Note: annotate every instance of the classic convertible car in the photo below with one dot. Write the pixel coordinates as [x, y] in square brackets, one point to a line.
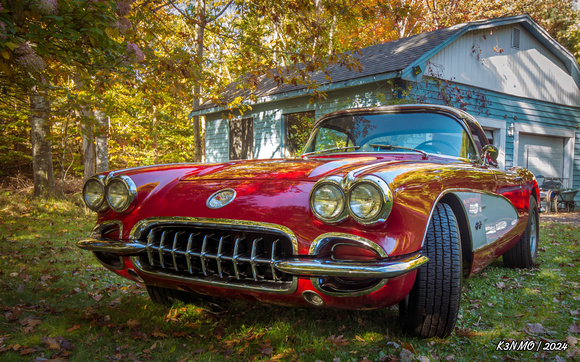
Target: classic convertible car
[387, 205]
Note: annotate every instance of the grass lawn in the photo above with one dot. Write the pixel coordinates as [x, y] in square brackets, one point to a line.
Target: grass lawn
[58, 303]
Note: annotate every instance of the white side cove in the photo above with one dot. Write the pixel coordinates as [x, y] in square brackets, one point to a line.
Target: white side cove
[489, 217]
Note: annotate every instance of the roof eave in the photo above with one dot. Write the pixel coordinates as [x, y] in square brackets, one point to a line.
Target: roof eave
[303, 92]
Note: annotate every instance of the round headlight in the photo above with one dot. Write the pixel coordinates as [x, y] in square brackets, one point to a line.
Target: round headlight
[366, 201]
[120, 193]
[94, 194]
[327, 202]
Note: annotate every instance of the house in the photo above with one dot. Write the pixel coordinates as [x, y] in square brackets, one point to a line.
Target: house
[521, 85]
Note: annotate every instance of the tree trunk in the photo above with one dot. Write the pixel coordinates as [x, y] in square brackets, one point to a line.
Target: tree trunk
[101, 137]
[199, 34]
[41, 147]
[88, 148]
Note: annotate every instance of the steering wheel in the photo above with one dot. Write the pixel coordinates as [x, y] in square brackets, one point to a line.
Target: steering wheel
[429, 146]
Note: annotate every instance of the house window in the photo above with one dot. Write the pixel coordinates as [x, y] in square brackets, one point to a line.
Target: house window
[297, 127]
[241, 139]
[490, 134]
[515, 38]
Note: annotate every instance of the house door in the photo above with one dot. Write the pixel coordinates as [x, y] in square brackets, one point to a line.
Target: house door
[241, 139]
[543, 155]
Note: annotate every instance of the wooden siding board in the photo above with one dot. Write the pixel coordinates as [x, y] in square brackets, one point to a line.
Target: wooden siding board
[485, 58]
[576, 181]
[268, 140]
[501, 106]
[216, 140]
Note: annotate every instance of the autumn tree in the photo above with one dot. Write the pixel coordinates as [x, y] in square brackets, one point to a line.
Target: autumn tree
[42, 43]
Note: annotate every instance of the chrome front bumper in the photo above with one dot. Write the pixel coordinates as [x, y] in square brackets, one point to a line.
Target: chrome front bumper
[303, 266]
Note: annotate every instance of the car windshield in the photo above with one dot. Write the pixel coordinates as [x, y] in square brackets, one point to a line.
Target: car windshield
[392, 132]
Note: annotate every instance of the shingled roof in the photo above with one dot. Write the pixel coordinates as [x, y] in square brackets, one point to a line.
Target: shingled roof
[388, 57]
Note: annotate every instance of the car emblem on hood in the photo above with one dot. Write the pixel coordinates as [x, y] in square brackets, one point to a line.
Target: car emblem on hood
[221, 198]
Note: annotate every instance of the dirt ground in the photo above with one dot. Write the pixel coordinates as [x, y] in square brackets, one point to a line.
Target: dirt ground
[563, 217]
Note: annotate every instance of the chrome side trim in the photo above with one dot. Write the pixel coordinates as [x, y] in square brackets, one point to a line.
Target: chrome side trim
[111, 246]
[351, 293]
[282, 288]
[323, 239]
[99, 228]
[141, 226]
[323, 267]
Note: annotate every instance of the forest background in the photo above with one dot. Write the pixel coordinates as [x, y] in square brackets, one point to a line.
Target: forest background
[91, 85]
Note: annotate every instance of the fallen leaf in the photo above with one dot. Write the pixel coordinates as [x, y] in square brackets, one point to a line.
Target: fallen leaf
[406, 355]
[66, 344]
[500, 285]
[133, 323]
[572, 341]
[29, 323]
[27, 351]
[574, 328]
[338, 340]
[409, 347]
[74, 327]
[534, 328]
[115, 302]
[267, 351]
[96, 297]
[51, 343]
[13, 315]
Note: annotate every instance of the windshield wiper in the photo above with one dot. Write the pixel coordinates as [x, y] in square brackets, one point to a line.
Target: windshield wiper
[346, 148]
[391, 147]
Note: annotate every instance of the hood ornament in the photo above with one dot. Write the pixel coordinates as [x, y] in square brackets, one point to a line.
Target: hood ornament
[221, 198]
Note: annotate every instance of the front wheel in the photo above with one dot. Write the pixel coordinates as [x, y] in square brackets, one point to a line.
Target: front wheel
[431, 307]
[523, 255]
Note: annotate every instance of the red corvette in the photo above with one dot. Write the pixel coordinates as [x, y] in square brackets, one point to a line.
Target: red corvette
[387, 205]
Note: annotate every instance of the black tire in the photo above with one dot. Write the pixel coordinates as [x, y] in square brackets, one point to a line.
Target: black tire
[523, 255]
[168, 297]
[431, 307]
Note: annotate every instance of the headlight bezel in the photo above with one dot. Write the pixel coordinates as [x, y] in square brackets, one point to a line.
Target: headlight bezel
[130, 188]
[334, 182]
[384, 193]
[346, 187]
[102, 205]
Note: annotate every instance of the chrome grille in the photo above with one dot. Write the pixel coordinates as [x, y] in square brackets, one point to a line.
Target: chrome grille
[228, 255]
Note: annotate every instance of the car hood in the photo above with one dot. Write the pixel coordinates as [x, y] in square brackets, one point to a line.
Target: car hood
[284, 169]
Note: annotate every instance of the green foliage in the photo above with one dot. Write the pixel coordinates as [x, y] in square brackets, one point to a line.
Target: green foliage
[84, 54]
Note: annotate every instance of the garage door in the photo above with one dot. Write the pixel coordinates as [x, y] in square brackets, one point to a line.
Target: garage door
[543, 155]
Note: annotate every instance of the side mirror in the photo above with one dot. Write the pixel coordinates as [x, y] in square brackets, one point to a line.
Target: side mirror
[489, 154]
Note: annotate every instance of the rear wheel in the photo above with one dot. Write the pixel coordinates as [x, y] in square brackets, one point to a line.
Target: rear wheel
[523, 254]
[431, 307]
[168, 297]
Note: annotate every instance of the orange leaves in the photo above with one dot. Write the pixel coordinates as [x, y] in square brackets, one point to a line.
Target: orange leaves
[28, 324]
[338, 340]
